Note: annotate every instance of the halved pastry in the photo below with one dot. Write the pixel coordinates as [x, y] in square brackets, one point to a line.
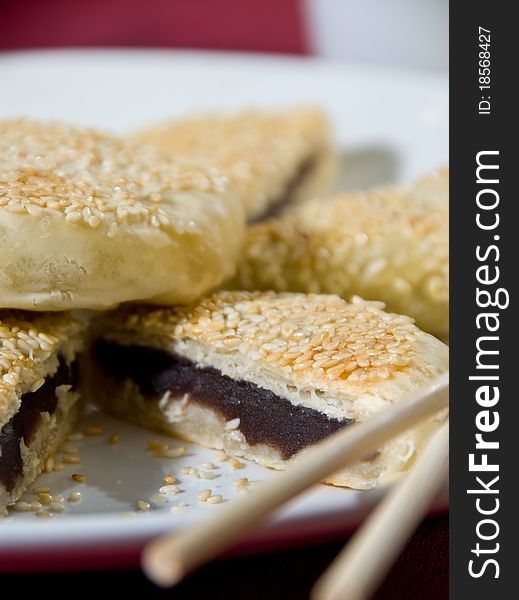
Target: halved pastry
[263, 375]
[274, 158]
[38, 393]
[389, 244]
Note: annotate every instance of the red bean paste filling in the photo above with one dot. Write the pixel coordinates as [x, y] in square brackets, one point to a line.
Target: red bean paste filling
[26, 421]
[265, 418]
[289, 194]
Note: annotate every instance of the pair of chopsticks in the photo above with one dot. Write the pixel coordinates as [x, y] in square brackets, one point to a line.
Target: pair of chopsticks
[354, 574]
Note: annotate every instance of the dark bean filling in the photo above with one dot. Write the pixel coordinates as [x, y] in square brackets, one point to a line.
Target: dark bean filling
[265, 418]
[25, 422]
[289, 193]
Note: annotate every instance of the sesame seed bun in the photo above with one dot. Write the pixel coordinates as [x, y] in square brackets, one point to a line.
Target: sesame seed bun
[89, 221]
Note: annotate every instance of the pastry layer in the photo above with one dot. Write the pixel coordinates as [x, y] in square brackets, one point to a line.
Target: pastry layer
[309, 355]
[389, 244]
[35, 408]
[292, 192]
[263, 417]
[108, 221]
[38, 395]
[261, 151]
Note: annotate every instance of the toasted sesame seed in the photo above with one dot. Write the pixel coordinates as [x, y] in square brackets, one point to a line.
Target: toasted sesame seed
[94, 430]
[158, 500]
[49, 465]
[241, 481]
[74, 496]
[208, 465]
[21, 506]
[113, 439]
[204, 495]
[71, 459]
[80, 478]
[67, 449]
[35, 505]
[143, 505]
[44, 497]
[186, 470]
[236, 464]
[169, 479]
[217, 499]
[158, 447]
[221, 456]
[207, 474]
[58, 466]
[41, 489]
[169, 490]
[59, 499]
[56, 507]
[175, 452]
[43, 514]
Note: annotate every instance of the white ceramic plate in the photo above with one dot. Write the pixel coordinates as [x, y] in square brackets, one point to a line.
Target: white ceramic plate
[391, 126]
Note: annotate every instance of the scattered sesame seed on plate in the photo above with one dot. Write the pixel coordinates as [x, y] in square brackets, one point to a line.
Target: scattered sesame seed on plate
[216, 499]
[94, 430]
[74, 496]
[71, 459]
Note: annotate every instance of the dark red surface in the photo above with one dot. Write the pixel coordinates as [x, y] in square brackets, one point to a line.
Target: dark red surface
[420, 573]
[257, 25]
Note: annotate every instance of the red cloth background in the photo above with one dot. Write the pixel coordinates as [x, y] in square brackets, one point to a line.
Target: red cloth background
[256, 25]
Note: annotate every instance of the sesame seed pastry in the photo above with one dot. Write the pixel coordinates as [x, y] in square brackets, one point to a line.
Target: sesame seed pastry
[87, 221]
[38, 393]
[389, 244]
[263, 375]
[274, 158]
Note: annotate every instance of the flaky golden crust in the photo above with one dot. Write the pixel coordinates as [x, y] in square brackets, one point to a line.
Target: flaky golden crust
[29, 347]
[345, 360]
[389, 244]
[88, 220]
[261, 151]
[49, 435]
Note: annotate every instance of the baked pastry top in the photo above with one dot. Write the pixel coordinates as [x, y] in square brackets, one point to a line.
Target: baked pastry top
[296, 344]
[273, 157]
[264, 375]
[389, 244]
[88, 220]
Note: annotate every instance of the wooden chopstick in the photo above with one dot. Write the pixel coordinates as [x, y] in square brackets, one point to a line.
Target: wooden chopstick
[168, 559]
[360, 567]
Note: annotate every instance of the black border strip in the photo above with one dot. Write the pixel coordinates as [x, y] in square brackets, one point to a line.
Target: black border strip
[472, 133]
